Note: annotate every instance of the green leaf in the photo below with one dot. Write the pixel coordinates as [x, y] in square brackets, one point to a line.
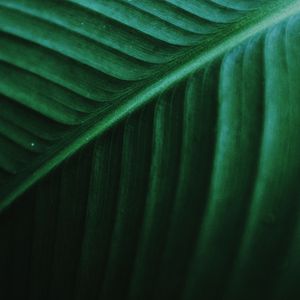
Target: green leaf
[68, 70]
[173, 127]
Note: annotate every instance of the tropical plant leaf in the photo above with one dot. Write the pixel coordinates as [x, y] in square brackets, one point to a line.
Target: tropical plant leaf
[194, 194]
[94, 65]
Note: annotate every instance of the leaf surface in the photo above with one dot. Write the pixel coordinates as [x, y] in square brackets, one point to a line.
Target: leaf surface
[78, 73]
[174, 130]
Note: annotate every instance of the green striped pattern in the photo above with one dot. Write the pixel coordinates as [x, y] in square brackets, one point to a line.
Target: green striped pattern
[185, 120]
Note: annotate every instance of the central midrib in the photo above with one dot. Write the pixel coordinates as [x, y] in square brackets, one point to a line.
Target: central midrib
[264, 19]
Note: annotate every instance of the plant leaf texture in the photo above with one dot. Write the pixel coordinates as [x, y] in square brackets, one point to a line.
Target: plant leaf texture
[150, 149]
